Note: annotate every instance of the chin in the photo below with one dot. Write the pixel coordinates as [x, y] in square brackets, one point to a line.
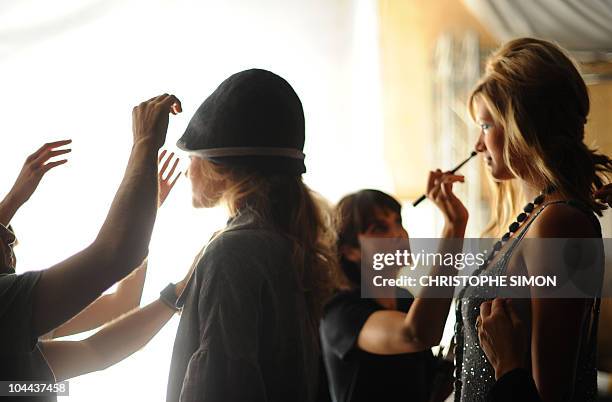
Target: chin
[500, 174]
[203, 202]
[504, 176]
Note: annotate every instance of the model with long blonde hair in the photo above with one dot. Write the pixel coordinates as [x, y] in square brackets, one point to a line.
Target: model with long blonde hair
[531, 106]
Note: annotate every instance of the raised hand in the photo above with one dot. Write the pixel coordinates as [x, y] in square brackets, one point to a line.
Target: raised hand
[440, 191]
[166, 184]
[150, 119]
[604, 194]
[35, 167]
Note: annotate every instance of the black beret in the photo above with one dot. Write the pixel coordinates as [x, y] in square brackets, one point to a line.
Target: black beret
[254, 119]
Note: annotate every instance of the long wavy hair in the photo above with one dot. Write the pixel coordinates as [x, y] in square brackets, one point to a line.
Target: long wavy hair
[286, 204]
[534, 90]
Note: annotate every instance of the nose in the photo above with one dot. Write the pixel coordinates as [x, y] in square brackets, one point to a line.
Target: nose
[480, 145]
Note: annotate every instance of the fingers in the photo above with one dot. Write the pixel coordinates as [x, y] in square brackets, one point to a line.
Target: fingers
[48, 146]
[433, 175]
[165, 101]
[48, 154]
[169, 102]
[604, 191]
[162, 170]
[497, 307]
[485, 309]
[153, 99]
[163, 177]
[165, 165]
[447, 181]
[446, 189]
[451, 178]
[166, 181]
[37, 162]
[150, 119]
[433, 184]
[440, 185]
[161, 156]
[175, 179]
[51, 165]
[176, 161]
[516, 321]
[604, 194]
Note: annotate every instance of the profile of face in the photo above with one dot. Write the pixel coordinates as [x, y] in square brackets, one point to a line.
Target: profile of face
[7, 256]
[206, 188]
[491, 141]
[384, 224]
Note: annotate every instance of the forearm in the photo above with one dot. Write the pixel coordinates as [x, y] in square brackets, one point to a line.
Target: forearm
[107, 307]
[8, 209]
[129, 290]
[424, 323]
[66, 288]
[128, 334]
[126, 232]
[108, 346]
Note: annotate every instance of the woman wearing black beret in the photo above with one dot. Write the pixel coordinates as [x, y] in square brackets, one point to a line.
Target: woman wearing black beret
[251, 310]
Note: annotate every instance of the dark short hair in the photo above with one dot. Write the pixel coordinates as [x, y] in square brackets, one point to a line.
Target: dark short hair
[353, 215]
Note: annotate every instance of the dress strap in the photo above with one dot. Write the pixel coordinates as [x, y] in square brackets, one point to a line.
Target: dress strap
[526, 228]
[576, 204]
[523, 232]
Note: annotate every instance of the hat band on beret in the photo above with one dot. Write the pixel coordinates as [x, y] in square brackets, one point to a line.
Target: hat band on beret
[248, 151]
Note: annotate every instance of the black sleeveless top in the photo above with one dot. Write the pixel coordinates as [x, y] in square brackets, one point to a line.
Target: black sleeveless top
[474, 374]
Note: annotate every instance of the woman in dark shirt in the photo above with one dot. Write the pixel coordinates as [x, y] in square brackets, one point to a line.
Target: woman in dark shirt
[374, 349]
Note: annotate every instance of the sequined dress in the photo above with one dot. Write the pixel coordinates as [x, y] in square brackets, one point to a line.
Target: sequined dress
[474, 375]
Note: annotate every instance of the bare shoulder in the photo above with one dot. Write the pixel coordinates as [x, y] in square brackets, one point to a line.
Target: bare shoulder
[563, 220]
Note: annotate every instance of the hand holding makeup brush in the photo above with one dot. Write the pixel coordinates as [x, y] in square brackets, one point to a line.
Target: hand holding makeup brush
[440, 192]
[421, 198]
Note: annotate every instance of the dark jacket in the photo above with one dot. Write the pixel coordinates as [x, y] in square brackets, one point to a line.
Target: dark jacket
[244, 333]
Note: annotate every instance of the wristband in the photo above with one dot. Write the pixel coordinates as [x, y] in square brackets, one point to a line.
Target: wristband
[168, 296]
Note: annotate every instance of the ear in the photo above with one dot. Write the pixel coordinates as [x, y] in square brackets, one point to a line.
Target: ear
[351, 253]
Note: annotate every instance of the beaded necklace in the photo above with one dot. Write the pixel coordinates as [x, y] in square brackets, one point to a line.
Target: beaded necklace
[459, 341]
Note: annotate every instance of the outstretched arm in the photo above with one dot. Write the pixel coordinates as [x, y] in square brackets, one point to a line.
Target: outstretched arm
[112, 343]
[121, 245]
[129, 291]
[32, 172]
[394, 332]
[107, 307]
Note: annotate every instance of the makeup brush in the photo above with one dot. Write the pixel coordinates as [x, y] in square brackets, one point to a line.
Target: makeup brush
[421, 198]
